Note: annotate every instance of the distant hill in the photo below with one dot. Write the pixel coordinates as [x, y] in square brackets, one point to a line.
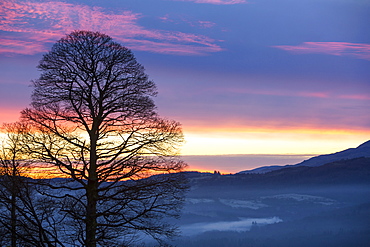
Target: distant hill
[361, 151]
[319, 206]
[347, 171]
[344, 171]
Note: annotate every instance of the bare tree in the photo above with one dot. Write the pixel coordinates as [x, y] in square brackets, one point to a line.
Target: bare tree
[93, 119]
[24, 215]
[10, 171]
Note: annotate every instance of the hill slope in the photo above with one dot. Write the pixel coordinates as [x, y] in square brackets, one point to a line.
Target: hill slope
[361, 151]
[306, 206]
[351, 171]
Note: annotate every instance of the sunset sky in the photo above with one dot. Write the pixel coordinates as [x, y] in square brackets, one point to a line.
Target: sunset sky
[243, 77]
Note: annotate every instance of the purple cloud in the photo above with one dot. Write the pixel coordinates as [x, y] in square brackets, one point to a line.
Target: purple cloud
[361, 51]
[55, 19]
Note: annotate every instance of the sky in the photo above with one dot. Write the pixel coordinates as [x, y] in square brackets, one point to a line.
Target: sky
[241, 76]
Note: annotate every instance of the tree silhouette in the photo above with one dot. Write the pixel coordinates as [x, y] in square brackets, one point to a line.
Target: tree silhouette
[10, 171]
[92, 117]
[26, 218]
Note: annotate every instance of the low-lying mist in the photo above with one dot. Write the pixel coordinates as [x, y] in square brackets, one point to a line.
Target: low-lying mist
[238, 226]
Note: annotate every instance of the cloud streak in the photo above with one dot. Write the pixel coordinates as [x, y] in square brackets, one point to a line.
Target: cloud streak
[291, 93]
[217, 2]
[42, 23]
[179, 20]
[358, 50]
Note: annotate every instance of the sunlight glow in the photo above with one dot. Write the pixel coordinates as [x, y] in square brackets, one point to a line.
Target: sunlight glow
[272, 142]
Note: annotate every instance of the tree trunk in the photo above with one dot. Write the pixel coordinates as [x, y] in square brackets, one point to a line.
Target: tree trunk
[13, 220]
[91, 222]
[92, 196]
[13, 215]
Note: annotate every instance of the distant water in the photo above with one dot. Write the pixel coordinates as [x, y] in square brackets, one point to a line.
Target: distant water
[237, 163]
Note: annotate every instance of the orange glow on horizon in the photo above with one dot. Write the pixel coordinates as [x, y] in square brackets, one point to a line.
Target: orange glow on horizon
[258, 138]
[216, 141]
[273, 128]
[47, 173]
[192, 168]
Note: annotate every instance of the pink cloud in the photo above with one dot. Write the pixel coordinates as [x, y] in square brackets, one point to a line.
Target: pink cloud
[361, 51]
[166, 18]
[31, 26]
[218, 2]
[314, 94]
[285, 93]
[355, 97]
[9, 45]
[169, 48]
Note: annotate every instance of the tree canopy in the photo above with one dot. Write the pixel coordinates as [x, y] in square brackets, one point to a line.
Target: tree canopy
[93, 117]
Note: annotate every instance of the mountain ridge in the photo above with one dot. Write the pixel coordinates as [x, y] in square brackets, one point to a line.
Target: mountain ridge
[344, 172]
[362, 150]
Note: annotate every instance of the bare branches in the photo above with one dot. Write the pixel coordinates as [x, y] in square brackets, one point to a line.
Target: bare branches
[27, 218]
[93, 117]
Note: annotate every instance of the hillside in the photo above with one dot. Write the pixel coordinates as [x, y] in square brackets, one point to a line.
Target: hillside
[349, 171]
[361, 151]
[319, 206]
